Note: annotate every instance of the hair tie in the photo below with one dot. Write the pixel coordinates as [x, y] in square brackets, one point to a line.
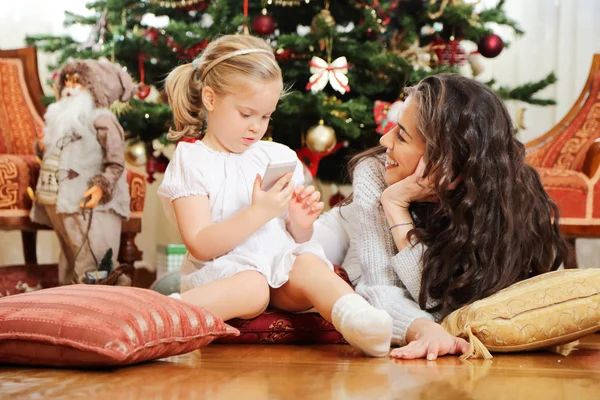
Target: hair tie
[196, 64]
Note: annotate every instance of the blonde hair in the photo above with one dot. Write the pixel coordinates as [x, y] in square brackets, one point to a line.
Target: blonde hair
[184, 84]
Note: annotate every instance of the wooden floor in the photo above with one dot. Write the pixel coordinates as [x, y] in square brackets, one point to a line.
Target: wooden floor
[220, 372]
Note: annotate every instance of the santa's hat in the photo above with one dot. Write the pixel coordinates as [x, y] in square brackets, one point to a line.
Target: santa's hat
[106, 81]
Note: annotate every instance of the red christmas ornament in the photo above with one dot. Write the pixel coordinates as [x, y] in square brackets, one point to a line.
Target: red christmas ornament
[449, 53]
[490, 46]
[336, 199]
[143, 91]
[263, 24]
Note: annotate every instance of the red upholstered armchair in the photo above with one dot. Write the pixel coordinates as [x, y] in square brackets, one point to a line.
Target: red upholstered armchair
[21, 112]
[567, 158]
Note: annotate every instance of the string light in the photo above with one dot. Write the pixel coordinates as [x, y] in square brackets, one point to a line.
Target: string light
[176, 3]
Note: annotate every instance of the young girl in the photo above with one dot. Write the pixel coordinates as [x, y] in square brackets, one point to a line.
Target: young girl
[243, 254]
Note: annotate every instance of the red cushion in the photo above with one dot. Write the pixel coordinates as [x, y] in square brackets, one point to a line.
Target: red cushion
[280, 327]
[82, 325]
[569, 190]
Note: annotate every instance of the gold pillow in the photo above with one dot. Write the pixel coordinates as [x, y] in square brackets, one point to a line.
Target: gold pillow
[544, 311]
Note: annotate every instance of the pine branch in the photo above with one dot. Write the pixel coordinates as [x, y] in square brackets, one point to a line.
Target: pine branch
[526, 91]
[498, 16]
[73, 19]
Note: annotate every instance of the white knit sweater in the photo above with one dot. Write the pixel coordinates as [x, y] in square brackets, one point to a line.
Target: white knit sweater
[388, 279]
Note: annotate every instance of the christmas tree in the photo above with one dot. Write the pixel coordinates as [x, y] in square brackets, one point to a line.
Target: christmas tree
[346, 62]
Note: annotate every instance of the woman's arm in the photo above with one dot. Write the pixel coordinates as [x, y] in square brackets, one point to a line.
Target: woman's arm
[375, 248]
[424, 337]
[330, 231]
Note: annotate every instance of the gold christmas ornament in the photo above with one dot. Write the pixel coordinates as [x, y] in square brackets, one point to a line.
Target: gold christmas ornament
[135, 153]
[320, 138]
[323, 18]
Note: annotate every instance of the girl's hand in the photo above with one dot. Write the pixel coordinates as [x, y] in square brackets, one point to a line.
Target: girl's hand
[305, 207]
[409, 189]
[430, 340]
[272, 202]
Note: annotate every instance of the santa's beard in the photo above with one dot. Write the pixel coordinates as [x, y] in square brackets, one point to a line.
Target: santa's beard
[67, 115]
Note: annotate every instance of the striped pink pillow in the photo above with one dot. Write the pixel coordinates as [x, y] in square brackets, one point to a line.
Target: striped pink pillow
[84, 325]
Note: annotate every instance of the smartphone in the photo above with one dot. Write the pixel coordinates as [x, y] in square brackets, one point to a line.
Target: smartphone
[276, 171]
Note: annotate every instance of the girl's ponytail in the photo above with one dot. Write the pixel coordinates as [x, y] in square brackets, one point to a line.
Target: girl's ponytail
[184, 91]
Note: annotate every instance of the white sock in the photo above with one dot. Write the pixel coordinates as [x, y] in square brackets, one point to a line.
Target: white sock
[175, 296]
[363, 326]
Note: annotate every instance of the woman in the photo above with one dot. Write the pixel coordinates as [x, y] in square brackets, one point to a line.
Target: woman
[444, 213]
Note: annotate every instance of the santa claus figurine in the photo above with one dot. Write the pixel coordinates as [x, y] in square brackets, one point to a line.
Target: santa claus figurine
[82, 191]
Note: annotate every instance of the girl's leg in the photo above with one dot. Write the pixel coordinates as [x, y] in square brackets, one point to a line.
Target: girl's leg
[244, 295]
[312, 283]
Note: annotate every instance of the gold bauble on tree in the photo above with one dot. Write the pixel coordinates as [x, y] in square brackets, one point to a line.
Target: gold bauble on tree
[320, 138]
[135, 153]
[321, 24]
[321, 20]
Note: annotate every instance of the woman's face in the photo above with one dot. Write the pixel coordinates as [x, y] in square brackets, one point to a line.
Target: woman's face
[404, 144]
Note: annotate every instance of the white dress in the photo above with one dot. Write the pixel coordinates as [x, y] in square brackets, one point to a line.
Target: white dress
[227, 179]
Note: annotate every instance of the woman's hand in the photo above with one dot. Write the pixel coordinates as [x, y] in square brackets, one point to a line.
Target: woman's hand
[409, 189]
[429, 339]
[272, 203]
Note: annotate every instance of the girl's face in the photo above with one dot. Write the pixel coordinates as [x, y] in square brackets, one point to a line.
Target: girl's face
[404, 144]
[237, 121]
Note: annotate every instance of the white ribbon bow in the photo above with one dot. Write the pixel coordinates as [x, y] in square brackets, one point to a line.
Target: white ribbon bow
[334, 73]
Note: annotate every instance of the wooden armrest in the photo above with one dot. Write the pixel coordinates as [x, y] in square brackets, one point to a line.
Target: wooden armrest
[592, 159]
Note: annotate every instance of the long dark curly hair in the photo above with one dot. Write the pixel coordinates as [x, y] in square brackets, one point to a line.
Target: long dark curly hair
[498, 225]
